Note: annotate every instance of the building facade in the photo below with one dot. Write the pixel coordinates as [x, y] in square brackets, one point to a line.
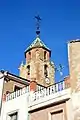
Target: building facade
[34, 94]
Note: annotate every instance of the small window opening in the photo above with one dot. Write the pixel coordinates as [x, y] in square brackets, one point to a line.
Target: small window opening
[16, 88]
[45, 55]
[7, 92]
[28, 68]
[29, 55]
[45, 70]
[14, 116]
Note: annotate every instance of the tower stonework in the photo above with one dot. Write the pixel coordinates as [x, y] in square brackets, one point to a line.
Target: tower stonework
[74, 64]
[38, 66]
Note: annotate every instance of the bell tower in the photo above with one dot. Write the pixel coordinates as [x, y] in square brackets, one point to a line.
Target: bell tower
[38, 65]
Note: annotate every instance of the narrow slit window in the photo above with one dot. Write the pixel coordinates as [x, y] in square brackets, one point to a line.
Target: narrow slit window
[45, 70]
[45, 55]
[29, 55]
[28, 68]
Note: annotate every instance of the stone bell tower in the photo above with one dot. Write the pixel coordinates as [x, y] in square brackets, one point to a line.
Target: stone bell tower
[38, 66]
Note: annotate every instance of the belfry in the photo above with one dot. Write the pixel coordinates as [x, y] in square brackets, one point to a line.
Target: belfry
[38, 66]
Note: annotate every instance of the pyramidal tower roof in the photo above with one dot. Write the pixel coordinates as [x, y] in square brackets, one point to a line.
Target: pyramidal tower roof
[37, 43]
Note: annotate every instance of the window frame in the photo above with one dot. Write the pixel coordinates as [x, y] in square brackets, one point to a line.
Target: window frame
[11, 113]
[55, 111]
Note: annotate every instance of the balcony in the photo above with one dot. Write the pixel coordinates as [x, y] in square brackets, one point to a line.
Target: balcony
[18, 93]
[56, 92]
[42, 94]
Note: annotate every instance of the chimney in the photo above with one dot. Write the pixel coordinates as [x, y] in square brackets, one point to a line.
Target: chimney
[33, 85]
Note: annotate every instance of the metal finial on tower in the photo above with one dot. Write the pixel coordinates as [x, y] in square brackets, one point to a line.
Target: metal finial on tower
[60, 70]
[38, 19]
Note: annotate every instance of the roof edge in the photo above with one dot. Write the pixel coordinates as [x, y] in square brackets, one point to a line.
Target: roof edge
[15, 78]
[74, 41]
[37, 47]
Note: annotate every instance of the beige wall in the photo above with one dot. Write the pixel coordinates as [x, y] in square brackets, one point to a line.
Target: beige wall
[9, 86]
[45, 113]
[74, 64]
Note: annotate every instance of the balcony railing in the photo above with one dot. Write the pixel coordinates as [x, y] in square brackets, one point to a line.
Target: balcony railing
[40, 93]
[16, 94]
[48, 91]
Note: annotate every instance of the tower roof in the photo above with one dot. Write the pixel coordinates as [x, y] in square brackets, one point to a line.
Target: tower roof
[37, 43]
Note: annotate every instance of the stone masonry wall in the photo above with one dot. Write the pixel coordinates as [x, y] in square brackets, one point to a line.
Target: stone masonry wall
[37, 62]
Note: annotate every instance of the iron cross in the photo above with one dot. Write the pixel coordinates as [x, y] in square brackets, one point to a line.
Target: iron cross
[38, 21]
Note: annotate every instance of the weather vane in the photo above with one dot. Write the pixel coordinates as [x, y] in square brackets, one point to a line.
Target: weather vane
[60, 69]
[38, 19]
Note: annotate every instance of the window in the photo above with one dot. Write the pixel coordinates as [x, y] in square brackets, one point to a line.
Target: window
[57, 115]
[28, 68]
[16, 88]
[29, 55]
[45, 55]
[14, 116]
[45, 70]
[7, 92]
